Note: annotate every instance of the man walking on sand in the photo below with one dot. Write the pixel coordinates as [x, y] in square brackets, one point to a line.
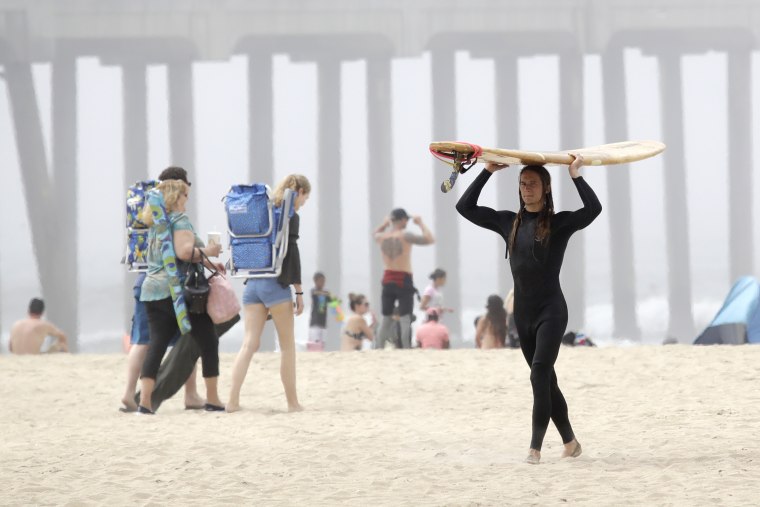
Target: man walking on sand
[396, 247]
[29, 335]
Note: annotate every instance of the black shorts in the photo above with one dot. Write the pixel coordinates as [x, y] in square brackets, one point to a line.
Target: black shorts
[404, 294]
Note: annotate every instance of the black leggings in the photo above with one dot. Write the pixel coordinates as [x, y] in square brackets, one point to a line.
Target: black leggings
[540, 339]
[163, 327]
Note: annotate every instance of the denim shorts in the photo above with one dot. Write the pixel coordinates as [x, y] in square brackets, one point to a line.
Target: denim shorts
[265, 291]
[140, 334]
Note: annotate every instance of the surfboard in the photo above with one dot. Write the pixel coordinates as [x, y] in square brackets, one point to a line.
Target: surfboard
[462, 156]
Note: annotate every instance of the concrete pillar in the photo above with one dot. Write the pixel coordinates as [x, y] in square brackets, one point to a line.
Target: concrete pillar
[329, 228]
[64, 294]
[571, 136]
[380, 177]
[2, 78]
[507, 136]
[445, 224]
[741, 246]
[681, 325]
[625, 324]
[261, 146]
[38, 191]
[260, 118]
[135, 123]
[182, 125]
[135, 150]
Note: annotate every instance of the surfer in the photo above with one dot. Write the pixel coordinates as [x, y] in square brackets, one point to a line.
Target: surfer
[536, 239]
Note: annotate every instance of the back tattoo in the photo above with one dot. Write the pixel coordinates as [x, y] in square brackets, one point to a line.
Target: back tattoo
[392, 247]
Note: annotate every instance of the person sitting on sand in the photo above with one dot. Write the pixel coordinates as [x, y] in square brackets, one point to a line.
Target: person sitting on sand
[432, 334]
[29, 335]
[356, 329]
[491, 331]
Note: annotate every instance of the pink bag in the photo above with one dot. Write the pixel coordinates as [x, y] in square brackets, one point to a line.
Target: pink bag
[223, 303]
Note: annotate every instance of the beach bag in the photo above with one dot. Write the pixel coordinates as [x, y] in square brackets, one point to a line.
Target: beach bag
[257, 229]
[196, 289]
[223, 304]
[137, 231]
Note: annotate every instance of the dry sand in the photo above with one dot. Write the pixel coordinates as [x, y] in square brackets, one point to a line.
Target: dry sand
[674, 425]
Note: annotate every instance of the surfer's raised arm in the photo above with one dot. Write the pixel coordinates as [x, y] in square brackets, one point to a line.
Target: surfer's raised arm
[483, 216]
[591, 209]
[575, 168]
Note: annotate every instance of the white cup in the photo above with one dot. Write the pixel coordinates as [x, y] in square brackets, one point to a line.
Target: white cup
[215, 238]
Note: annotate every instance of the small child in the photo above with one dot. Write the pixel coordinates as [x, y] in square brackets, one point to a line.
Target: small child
[320, 300]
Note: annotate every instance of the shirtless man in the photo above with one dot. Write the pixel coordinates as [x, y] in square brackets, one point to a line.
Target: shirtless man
[396, 246]
[28, 335]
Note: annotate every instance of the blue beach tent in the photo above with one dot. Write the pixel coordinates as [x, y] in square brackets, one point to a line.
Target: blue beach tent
[738, 320]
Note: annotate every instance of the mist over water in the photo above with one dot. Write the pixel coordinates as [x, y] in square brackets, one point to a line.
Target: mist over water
[221, 134]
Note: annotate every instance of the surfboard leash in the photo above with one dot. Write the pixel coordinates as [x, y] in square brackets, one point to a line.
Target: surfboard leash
[457, 161]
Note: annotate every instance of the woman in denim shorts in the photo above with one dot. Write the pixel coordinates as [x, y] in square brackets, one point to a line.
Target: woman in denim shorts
[264, 296]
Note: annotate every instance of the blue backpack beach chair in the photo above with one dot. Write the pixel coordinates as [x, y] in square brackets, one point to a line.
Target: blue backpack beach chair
[258, 230]
[137, 231]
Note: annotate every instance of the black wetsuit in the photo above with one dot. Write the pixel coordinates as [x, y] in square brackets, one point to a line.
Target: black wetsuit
[540, 308]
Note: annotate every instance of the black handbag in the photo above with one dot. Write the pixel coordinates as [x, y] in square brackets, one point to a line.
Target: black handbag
[196, 288]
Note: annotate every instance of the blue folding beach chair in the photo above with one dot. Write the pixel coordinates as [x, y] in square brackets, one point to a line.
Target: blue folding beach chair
[137, 232]
[258, 230]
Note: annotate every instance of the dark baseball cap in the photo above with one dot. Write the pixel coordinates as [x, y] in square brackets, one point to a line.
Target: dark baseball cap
[174, 173]
[398, 214]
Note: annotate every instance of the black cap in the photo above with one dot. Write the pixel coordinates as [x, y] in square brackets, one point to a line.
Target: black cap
[398, 214]
[174, 173]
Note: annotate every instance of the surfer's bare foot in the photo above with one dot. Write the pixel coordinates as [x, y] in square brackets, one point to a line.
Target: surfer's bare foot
[295, 408]
[534, 457]
[572, 449]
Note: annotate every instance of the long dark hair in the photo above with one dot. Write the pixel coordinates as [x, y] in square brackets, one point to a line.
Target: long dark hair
[497, 318]
[544, 216]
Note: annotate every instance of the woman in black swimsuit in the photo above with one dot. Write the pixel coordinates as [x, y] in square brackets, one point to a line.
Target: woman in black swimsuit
[536, 240]
[355, 329]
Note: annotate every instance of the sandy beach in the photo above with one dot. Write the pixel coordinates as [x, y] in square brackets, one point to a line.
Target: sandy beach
[673, 425]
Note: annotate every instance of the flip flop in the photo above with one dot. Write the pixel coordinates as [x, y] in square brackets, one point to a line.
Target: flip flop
[127, 410]
[210, 407]
[144, 411]
[195, 407]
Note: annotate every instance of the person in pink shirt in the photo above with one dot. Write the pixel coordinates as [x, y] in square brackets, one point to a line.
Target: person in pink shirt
[432, 334]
